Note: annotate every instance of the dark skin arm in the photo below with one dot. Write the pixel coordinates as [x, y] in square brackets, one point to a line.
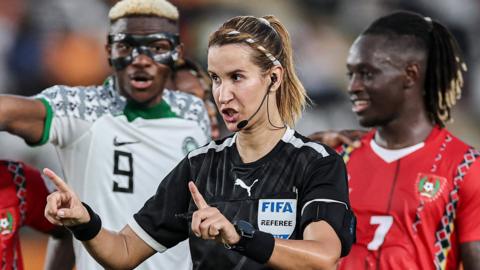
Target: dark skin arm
[60, 252]
[470, 253]
[23, 117]
[336, 138]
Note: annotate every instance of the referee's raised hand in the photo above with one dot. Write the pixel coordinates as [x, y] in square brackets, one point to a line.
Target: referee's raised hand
[63, 206]
[209, 223]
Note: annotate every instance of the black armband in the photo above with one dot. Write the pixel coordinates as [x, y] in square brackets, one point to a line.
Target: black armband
[254, 244]
[337, 215]
[89, 230]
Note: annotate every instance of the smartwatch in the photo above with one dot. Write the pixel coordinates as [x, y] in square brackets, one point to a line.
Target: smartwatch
[254, 244]
[246, 232]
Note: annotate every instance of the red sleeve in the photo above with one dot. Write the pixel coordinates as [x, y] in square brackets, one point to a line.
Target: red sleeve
[468, 211]
[36, 199]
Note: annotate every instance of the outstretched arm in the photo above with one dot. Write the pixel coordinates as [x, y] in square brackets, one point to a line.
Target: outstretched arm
[113, 250]
[23, 117]
[122, 250]
[336, 138]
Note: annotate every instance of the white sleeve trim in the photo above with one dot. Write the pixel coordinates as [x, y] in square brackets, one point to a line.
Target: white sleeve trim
[323, 200]
[145, 236]
[289, 137]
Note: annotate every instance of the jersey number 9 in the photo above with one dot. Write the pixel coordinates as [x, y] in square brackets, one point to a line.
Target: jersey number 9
[123, 167]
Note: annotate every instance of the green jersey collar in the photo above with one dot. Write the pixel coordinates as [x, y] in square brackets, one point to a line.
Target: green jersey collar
[162, 110]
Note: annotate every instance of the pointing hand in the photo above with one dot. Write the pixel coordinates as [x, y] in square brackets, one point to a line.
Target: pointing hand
[63, 206]
[209, 223]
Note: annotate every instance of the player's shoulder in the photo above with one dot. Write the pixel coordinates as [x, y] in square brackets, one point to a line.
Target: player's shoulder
[73, 91]
[84, 102]
[12, 165]
[15, 172]
[183, 104]
[188, 107]
[456, 147]
[6, 176]
[449, 137]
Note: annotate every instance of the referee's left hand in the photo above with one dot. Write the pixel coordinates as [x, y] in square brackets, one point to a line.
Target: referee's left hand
[208, 223]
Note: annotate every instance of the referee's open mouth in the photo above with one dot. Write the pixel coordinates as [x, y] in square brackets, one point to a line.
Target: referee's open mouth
[229, 115]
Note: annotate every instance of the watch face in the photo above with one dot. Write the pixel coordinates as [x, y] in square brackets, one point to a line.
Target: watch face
[244, 228]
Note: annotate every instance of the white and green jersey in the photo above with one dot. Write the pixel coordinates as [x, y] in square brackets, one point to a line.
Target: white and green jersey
[114, 154]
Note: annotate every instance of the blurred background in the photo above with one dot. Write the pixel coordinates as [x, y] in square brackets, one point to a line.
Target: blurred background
[48, 42]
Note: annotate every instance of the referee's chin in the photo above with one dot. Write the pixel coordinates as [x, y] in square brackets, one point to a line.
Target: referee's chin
[233, 126]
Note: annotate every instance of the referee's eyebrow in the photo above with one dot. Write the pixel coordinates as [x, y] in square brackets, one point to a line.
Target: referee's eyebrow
[236, 71]
[229, 73]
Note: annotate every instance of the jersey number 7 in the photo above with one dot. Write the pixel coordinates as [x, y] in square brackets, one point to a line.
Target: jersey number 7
[384, 225]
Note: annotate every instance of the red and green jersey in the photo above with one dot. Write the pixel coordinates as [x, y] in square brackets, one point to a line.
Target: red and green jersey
[22, 202]
[415, 211]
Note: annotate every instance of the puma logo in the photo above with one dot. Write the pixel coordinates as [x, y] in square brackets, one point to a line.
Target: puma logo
[239, 182]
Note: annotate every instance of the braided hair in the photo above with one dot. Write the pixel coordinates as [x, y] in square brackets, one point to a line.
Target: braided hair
[271, 44]
[445, 64]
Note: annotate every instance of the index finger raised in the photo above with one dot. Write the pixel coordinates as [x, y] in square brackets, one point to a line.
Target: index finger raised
[59, 183]
[196, 196]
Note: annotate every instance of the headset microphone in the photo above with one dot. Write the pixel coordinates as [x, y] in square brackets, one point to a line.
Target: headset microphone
[242, 124]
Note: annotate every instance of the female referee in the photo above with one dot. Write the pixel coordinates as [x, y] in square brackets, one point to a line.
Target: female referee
[264, 197]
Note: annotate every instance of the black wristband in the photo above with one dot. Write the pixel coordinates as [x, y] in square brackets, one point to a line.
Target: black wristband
[258, 248]
[89, 230]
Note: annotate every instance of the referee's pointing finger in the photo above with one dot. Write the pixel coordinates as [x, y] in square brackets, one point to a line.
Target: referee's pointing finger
[196, 196]
[59, 183]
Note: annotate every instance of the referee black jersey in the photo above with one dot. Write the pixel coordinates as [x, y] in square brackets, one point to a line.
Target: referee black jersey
[298, 182]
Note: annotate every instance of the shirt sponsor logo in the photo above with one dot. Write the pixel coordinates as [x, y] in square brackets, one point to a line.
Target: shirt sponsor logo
[239, 182]
[188, 145]
[277, 216]
[429, 186]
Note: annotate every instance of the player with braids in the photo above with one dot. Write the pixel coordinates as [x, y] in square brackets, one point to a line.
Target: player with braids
[264, 197]
[414, 186]
[445, 65]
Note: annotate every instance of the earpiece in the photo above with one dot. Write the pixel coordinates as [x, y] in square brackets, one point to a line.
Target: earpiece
[274, 78]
